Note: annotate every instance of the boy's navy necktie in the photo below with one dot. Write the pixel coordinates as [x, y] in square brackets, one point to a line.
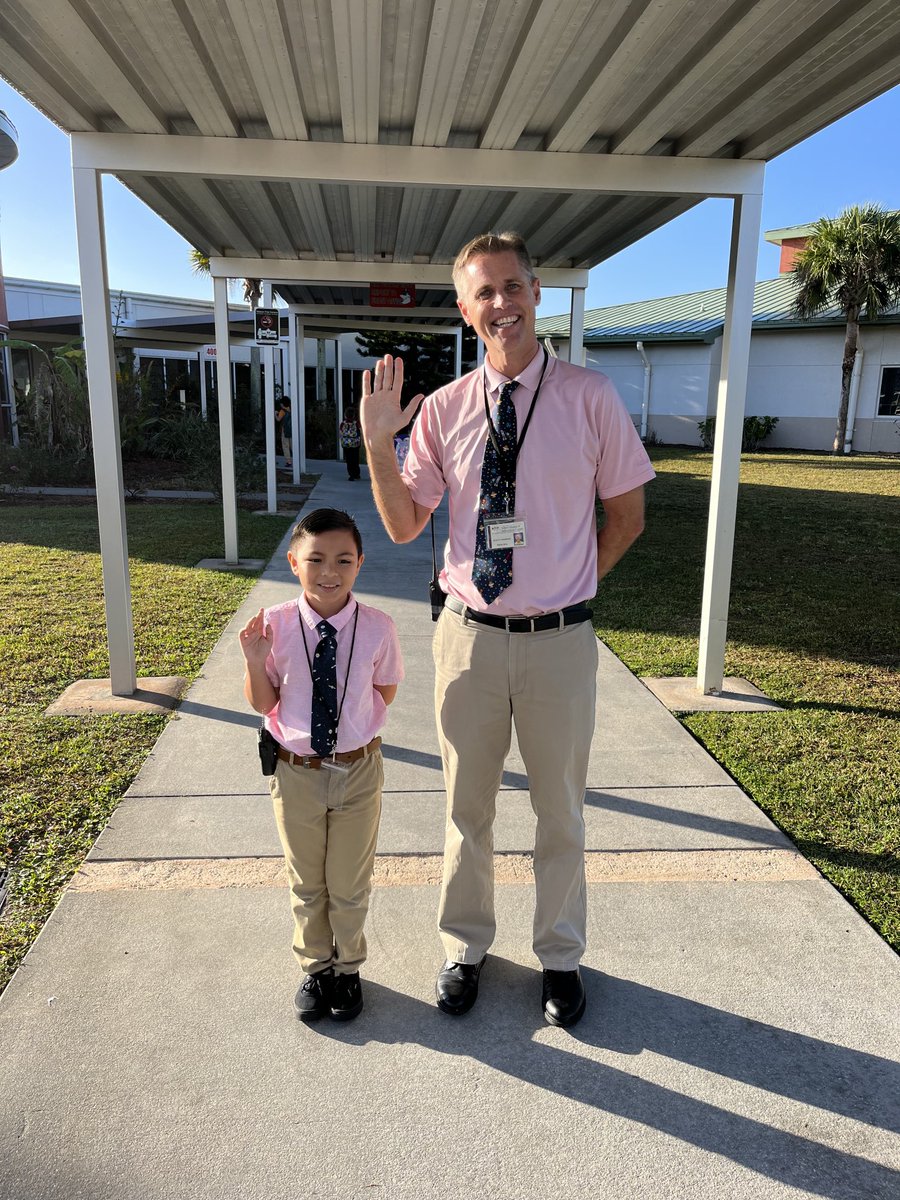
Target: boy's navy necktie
[492, 569]
[323, 736]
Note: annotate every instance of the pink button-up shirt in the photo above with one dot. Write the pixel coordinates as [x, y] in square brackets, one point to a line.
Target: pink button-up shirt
[581, 444]
[376, 659]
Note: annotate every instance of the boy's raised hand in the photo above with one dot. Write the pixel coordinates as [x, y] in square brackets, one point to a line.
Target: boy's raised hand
[256, 640]
[381, 411]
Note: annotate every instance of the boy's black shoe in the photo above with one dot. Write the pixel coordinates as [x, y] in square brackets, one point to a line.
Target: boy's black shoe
[563, 997]
[346, 1000]
[312, 999]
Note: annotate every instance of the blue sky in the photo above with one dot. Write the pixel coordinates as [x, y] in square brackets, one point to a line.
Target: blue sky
[850, 162]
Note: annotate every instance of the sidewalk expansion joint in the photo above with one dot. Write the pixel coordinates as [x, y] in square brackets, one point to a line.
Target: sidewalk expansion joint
[758, 865]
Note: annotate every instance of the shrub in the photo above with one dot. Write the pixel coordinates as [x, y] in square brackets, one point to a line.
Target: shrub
[756, 430]
[37, 466]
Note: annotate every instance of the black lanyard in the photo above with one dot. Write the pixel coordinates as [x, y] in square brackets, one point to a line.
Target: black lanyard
[508, 463]
[336, 717]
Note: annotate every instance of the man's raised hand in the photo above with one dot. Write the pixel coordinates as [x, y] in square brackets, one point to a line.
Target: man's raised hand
[381, 411]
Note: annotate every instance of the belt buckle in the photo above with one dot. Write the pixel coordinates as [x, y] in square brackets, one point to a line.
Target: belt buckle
[507, 624]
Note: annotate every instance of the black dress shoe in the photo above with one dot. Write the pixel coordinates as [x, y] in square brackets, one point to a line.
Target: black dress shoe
[563, 997]
[457, 986]
[346, 1000]
[312, 999]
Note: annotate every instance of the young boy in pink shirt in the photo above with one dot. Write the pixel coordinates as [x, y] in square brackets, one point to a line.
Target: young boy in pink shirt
[322, 671]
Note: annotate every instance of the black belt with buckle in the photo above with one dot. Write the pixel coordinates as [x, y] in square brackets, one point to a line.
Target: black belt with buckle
[573, 615]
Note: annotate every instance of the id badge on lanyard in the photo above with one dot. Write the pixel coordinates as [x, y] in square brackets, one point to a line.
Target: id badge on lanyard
[505, 532]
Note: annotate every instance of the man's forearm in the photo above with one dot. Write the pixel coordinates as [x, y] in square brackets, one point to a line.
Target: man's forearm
[624, 524]
[611, 546]
[402, 517]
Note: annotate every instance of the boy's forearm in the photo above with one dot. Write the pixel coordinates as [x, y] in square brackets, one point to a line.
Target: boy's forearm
[259, 690]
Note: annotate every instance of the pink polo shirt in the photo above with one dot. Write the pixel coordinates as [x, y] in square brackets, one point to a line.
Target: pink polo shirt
[581, 444]
[376, 659]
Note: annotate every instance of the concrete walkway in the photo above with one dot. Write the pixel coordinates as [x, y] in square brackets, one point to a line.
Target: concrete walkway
[741, 1039]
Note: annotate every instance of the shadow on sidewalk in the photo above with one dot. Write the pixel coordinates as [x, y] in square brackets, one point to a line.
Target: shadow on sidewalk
[629, 1018]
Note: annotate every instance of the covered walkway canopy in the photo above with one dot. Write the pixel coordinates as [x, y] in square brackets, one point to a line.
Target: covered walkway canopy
[321, 146]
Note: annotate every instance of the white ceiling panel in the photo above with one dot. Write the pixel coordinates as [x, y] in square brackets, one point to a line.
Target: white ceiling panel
[603, 80]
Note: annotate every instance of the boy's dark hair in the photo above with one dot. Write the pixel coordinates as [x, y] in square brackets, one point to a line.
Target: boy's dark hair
[324, 520]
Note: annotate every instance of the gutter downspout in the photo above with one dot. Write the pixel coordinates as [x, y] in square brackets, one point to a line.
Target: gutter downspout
[854, 400]
[645, 400]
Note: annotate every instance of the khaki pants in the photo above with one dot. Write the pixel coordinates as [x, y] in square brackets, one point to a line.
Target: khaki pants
[546, 682]
[328, 825]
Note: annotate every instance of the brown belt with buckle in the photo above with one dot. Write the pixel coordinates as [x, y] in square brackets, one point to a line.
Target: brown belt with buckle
[314, 761]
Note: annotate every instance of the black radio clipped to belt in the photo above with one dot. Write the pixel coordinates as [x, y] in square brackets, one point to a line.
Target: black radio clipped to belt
[436, 593]
[268, 750]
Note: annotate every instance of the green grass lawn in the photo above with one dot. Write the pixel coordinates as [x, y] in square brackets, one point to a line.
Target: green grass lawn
[814, 622]
[60, 778]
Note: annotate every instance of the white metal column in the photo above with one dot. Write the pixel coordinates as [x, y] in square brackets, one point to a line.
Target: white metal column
[294, 393]
[576, 327]
[203, 402]
[727, 448]
[268, 358]
[300, 403]
[101, 369]
[457, 358]
[339, 392]
[11, 394]
[226, 420]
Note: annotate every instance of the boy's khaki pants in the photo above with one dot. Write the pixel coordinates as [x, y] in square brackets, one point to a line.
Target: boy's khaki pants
[546, 682]
[328, 825]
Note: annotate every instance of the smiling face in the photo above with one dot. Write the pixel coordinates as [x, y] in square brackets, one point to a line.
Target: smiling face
[327, 565]
[499, 300]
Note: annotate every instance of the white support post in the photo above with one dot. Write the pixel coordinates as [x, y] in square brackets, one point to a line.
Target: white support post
[479, 352]
[296, 398]
[268, 359]
[339, 392]
[299, 417]
[204, 412]
[457, 360]
[727, 447]
[226, 419]
[101, 369]
[576, 327]
[11, 395]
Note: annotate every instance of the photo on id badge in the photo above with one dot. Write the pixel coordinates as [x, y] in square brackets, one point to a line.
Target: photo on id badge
[505, 533]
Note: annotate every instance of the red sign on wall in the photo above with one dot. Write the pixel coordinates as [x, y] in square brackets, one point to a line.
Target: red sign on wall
[392, 295]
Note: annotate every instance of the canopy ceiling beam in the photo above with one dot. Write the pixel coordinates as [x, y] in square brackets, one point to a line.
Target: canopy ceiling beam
[414, 166]
[363, 310]
[340, 274]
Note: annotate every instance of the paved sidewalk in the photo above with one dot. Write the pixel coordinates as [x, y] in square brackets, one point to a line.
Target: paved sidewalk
[741, 1039]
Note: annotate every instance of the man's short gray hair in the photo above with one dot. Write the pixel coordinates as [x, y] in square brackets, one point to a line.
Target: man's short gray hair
[491, 243]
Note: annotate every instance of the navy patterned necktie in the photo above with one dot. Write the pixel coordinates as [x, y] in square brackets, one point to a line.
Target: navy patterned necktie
[324, 692]
[492, 569]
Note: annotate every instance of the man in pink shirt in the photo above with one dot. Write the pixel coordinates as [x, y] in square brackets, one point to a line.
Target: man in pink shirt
[523, 447]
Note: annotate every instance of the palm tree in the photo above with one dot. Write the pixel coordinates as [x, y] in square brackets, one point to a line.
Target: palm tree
[252, 287]
[852, 260]
[252, 296]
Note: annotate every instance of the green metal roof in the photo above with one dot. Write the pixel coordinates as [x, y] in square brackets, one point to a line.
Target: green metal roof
[694, 316]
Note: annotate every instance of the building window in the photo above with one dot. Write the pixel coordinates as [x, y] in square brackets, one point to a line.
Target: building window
[889, 397]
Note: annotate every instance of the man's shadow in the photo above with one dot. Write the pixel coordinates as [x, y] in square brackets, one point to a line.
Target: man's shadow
[628, 1018]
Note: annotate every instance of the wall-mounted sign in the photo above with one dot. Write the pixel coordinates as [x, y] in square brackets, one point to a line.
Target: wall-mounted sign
[265, 326]
[392, 295]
